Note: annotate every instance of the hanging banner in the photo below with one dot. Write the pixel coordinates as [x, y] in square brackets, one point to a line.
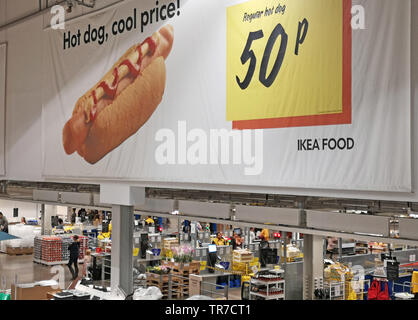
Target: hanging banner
[289, 93]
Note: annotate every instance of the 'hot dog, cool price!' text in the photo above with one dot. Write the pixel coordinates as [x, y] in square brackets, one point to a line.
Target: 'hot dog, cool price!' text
[161, 12]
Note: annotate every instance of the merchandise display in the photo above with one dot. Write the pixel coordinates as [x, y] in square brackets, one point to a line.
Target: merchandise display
[268, 286]
[52, 250]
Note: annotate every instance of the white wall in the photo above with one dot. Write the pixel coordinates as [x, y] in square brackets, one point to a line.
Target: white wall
[26, 209]
[24, 107]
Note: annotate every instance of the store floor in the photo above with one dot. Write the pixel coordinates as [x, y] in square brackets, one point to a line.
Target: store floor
[27, 271]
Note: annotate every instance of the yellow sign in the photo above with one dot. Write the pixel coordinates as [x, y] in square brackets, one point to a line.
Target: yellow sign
[135, 252]
[285, 59]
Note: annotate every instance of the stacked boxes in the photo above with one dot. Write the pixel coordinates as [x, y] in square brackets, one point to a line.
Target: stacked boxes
[169, 243]
[84, 245]
[37, 255]
[51, 249]
[242, 256]
[66, 241]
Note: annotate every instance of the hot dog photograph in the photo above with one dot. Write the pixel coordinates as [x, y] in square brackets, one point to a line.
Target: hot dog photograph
[122, 101]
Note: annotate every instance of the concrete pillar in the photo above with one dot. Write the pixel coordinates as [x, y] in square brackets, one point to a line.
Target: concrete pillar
[123, 199]
[47, 211]
[246, 233]
[122, 248]
[313, 265]
[42, 215]
[340, 249]
[69, 213]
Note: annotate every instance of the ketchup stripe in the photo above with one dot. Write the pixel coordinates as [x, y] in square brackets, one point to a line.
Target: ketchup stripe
[134, 69]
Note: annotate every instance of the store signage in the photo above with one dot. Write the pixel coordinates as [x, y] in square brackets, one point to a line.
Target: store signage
[260, 93]
[289, 64]
[392, 270]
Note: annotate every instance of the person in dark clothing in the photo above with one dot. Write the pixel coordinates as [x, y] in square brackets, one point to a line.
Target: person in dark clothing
[60, 224]
[73, 216]
[74, 249]
[82, 213]
[4, 224]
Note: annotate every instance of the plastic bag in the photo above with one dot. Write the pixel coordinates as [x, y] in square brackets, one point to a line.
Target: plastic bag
[152, 293]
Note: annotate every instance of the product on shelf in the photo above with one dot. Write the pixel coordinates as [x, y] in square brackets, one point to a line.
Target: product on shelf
[242, 255]
[51, 249]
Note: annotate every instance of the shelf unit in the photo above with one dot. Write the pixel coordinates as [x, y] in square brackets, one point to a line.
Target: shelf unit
[270, 287]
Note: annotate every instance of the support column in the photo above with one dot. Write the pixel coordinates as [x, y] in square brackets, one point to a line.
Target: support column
[122, 248]
[313, 265]
[246, 233]
[47, 211]
[43, 219]
[340, 249]
[69, 213]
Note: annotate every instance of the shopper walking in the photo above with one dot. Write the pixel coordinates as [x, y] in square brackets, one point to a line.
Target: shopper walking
[74, 249]
[4, 224]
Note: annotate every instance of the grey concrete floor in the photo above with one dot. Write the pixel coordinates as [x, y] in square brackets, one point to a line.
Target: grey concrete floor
[24, 270]
[27, 271]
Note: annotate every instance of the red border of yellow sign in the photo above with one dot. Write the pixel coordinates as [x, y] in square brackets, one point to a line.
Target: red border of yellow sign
[317, 120]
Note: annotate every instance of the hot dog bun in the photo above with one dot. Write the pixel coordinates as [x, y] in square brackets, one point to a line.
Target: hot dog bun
[127, 114]
[116, 118]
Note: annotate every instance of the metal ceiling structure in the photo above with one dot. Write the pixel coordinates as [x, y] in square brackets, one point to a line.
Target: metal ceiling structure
[88, 196]
[23, 190]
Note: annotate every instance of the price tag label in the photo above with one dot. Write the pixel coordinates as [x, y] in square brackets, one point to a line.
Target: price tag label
[288, 63]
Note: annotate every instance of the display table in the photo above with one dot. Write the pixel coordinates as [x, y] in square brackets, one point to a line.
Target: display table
[209, 284]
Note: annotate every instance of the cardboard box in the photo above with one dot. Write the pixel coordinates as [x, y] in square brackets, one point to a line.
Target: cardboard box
[13, 251]
[195, 283]
[27, 250]
[30, 292]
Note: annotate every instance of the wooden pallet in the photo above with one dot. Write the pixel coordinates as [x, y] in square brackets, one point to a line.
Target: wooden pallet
[173, 295]
[161, 285]
[19, 251]
[157, 277]
[183, 269]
